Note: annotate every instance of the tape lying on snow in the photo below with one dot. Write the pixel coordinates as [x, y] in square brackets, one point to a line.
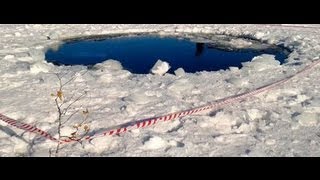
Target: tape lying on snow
[151, 121]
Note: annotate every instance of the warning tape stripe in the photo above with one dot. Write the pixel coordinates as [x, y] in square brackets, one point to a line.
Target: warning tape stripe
[152, 121]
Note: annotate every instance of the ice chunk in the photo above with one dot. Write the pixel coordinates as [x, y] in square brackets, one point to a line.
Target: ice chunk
[40, 67]
[111, 65]
[234, 69]
[20, 145]
[160, 68]
[9, 56]
[179, 72]
[270, 142]
[260, 63]
[35, 55]
[155, 143]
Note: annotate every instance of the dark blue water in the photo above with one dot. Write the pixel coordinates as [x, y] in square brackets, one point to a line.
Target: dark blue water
[138, 54]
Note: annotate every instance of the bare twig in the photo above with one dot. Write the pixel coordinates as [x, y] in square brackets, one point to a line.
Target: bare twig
[59, 124]
[70, 116]
[63, 111]
[76, 100]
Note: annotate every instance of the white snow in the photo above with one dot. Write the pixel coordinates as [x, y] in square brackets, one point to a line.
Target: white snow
[281, 122]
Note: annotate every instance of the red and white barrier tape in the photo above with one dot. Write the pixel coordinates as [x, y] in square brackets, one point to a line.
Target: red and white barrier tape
[151, 121]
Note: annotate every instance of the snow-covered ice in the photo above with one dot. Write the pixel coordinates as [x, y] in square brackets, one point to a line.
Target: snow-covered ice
[280, 122]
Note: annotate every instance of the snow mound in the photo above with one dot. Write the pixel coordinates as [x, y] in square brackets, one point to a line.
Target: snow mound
[179, 72]
[261, 63]
[160, 68]
[110, 65]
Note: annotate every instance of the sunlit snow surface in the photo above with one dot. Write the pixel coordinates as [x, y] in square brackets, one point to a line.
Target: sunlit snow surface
[282, 122]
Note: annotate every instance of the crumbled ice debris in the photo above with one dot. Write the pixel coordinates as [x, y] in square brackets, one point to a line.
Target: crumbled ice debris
[179, 72]
[308, 119]
[40, 67]
[160, 68]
